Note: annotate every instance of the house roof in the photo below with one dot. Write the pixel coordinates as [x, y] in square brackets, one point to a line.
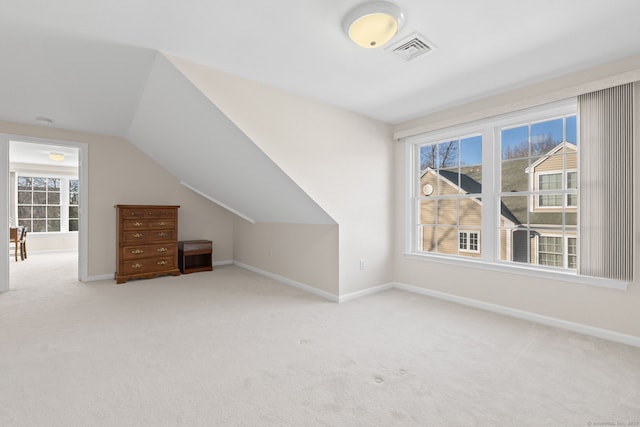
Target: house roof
[554, 150]
[471, 186]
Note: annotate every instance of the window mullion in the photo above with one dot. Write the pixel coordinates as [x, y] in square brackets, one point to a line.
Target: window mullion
[490, 198]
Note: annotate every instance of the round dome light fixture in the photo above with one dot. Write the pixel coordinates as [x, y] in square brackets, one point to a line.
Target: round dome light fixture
[58, 157]
[371, 25]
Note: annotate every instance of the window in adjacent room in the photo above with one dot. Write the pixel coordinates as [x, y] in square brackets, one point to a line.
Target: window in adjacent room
[45, 203]
[73, 204]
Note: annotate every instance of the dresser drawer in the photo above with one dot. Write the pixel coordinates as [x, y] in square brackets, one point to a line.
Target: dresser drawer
[148, 251]
[141, 212]
[146, 265]
[148, 236]
[148, 224]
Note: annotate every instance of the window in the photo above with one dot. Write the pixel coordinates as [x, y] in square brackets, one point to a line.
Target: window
[448, 196]
[572, 183]
[512, 179]
[572, 254]
[556, 251]
[551, 181]
[554, 181]
[39, 203]
[539, 188]
[44, 203]
[550, 251]
[469, 241]
[73, 204]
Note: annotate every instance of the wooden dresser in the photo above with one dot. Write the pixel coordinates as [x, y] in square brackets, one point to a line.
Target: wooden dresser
[146, 242]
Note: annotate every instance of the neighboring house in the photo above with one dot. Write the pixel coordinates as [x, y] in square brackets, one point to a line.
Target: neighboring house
[553, 216]
[536, 229]
[455, 228]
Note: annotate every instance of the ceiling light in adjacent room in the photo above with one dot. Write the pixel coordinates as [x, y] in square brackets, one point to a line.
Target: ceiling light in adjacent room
[373, 24]
[58, 157]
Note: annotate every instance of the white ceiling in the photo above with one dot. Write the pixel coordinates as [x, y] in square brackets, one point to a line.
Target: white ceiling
[83, 63]
[38, 154]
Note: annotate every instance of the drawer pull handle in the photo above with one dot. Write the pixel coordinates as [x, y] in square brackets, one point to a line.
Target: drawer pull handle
[162, 234]
[137, 251]
[162, 250]
[137, 224]
[162, 224]
[136, 266]
[137, 235]
[162, 262]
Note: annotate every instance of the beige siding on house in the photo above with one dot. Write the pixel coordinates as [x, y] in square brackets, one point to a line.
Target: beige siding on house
[504, 241]
[443, 218]
[470, 213]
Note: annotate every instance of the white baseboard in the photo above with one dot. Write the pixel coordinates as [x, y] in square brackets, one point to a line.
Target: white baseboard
[101, 277]
[365, 292]
[222, 263]
[526, 315]
[290, 282]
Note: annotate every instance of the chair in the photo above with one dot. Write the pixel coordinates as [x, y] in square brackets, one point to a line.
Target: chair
[23, 243]
[18, 236]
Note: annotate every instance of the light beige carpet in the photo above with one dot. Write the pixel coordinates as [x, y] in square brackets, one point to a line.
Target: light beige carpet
[231, 348]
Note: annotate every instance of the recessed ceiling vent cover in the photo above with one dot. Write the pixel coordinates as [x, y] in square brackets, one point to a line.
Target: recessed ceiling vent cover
[411, 47]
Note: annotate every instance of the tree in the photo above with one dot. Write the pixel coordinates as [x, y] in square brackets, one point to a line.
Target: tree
[438, 156]
[539, 146]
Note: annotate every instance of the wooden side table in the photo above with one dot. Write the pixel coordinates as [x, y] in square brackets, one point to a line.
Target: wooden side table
[195, 255]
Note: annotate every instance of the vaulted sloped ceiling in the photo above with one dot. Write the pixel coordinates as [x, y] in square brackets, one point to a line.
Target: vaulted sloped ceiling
[182, 130]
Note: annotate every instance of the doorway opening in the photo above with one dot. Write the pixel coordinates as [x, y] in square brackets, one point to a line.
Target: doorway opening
[45, 199]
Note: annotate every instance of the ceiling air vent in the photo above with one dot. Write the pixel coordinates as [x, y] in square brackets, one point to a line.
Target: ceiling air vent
[411, 47]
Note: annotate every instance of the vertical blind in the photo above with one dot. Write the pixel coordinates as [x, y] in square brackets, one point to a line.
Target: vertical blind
[607, 183]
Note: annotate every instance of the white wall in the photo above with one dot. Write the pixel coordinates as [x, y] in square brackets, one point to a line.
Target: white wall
[181, 129]
[304, 253]
[341, 159]
[610, 309]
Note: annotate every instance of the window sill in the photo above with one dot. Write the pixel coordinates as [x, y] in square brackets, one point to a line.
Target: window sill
[521, 270]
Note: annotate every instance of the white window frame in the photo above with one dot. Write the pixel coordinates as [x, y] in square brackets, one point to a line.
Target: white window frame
[565, 247]
[64, 197]
[565, 189]
[468, 234]
[562, 244]
[491, 157]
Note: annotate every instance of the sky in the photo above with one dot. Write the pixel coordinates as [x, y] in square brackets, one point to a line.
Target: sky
[556, 129]
[469, 150]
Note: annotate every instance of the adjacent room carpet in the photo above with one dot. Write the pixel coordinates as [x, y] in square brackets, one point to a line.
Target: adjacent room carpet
[232, 348]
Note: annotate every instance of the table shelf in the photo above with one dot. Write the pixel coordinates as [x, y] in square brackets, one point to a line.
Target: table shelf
[195, 256]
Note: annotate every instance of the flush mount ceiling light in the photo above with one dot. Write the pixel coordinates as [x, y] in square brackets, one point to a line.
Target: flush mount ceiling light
[58, 157]
[372, 24]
